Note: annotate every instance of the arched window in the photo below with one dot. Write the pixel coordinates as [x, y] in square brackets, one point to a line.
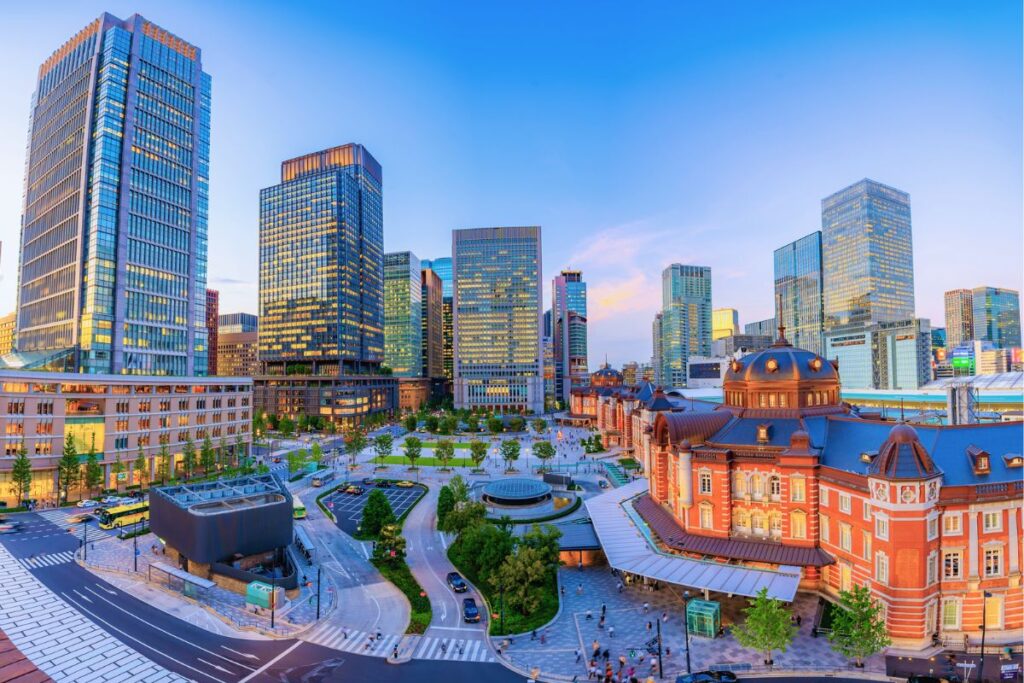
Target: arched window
[739, 484]
[743, 520]
[759, 523]
[775, 485]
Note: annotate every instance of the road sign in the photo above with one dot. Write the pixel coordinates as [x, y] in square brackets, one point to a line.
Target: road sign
[1008, 672]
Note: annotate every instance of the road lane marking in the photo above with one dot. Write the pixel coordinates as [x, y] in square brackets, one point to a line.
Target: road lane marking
[215, 666]
[82, 608]
[244, 654]
[172, 635]
[273, 661]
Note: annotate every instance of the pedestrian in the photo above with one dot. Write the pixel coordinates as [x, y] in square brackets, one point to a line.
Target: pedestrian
[592, 671]
[611, 631]
[622, 661]
[649, 626]
[606, 654]
[596, 647]
[590, 615]
[604, 608]
[579, 589]
[668, 651]
[543, 638]
[562, 590]
[600, 623]
[799, 619]
[647, 608]
[664, 617]
[618, 586]
[578, 655]
[533, 635]
[654, 664]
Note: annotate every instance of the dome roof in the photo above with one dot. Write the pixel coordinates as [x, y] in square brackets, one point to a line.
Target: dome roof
[781, 362]
[902, 456]
[608, 372]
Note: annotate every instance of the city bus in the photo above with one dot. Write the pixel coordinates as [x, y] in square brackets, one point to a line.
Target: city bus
[298, 509]
[322, 477]
[124, 515]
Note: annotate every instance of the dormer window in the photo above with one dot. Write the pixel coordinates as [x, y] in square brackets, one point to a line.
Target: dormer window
[979, 459]
[1013, 460]
[762, 434]
[737, 366]
[772, 365]
[868, 456]
[815, 364]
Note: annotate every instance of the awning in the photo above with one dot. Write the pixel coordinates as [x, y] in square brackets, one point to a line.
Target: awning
[171, 570]
[629, 547]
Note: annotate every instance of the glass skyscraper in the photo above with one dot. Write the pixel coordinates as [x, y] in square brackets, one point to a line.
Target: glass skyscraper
[321, 265]
[959, 316]
[113, 231]
[569, 332]
[432, 314]
[685, 319]
[996, 315]
[798, 290]
[725, 322]
[497, 315]
[867, 255]
[403, 314]
[236, 323]
[443, 268]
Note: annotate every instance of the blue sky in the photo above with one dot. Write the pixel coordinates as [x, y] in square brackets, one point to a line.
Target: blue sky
[702, 133]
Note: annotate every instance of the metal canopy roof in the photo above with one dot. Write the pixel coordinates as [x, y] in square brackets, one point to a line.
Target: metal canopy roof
[629, 547]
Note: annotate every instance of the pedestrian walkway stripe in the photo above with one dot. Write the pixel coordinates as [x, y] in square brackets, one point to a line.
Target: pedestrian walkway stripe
[60, 518]
[423, 647]
[37, 561]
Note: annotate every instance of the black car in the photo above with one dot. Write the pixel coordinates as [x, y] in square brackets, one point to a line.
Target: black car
[368, 481]
[470, 613]
[457, 583]
[923, 679]
[384, 484]
[707, 677]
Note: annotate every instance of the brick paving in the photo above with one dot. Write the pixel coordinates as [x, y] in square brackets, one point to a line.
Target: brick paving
[626, 629]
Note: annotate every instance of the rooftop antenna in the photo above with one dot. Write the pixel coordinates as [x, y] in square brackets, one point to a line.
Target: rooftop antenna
[781, 341]
[901, 409]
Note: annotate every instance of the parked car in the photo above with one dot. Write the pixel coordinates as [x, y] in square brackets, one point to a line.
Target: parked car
[923, 679]
[457, 583]
[707, 677]
[603, 483]
[383, 483]
[470, 613]
[112, 500]
[88, 503]
[355, 490]
[369, 481]
[405, 484]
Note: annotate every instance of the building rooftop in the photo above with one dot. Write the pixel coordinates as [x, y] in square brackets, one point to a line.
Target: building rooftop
[225, 495]
[1002, 380]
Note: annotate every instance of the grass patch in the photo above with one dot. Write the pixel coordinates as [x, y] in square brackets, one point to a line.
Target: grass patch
[629, 464]
[514, 621]
[398, 573]
[426, 462]
[323, 508]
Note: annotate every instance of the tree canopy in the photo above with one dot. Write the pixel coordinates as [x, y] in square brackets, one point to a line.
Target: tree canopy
[858, 628]
[768, 625]
[376, 513]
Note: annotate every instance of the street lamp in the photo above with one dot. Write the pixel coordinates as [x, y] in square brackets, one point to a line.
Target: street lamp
[318, 593]
[686, 630]
[85, 539]
[985, 595]
[661, 669]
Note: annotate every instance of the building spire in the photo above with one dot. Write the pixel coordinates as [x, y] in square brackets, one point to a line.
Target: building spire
[781, 341]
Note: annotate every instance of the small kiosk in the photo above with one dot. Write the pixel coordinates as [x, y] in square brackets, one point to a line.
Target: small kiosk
[703, 618]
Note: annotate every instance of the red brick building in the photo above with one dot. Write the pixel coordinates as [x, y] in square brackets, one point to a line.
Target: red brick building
[782, 476]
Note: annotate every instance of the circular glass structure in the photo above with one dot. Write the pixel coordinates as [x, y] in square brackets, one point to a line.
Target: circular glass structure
[514, 492]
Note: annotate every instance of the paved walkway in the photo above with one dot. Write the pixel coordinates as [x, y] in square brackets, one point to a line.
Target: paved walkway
[628, 628]
[59, 639]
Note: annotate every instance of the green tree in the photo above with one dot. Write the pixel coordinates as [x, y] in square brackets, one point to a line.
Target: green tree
[444, 451]
[495, 425]
[163, 464]
[21, 474]
[540, 425]
[544, 539]
[520, 576]
[464, 515]
[410, 422]
[478, 452]
[768, 626]
[296, 460]
[472, 424]
[858, 629]
[188, 458]
[207, 458]
[382, 446]
[93, 471]
[286, 426]
[431, 423]
[377, 513]
[544, 451]
[459, 488]
[316, 453]
[118, 469]
[445, 504]
[259, 424]
[238, 452]
[272, 422]
[68, 469]
[225, 455]
[141, 467]
[355, 442]
[510, 452]
[516, 424]
[330, 427]
[413, 449]
[481, 549]
[302, 424]
[390, 546]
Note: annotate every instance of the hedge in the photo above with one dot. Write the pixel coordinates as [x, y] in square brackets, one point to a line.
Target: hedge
[398, 573]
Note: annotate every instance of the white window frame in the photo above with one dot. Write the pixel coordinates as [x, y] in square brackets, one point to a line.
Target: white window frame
[823, 528]
[932, 571]
[706, 508]
[946, 604]
[705, 476]
[997, 553]
[881, 567]
[882, 527]
[845, 503]
[845, 537]
[866, 544]
[996, 515]
[823, 496]
[793, 516]
[867, 510]
[775, 486]
[952, 524]
[933, 527]
[995, 617]
[797, 483]
[959, 574]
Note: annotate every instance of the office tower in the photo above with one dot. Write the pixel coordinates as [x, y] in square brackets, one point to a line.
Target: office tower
[497, 318]
[762, 328]
[321, 265]
[403, 314]
[443, 268]
[630, 373]
[7, 330]
[212, 316]
[867, 256]
[236, 354]
[798, 291]
[547, 326]
[548, 346]
[996, 314]
[235, 323]
[569, 332]
[891, 355]
[432, 320]
[959, 316]
[724, 323]
[686, 319]
[656, 347]
[112, 271]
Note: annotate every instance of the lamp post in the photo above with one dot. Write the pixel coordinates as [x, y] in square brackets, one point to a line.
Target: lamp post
[985, 595]
[661, 669]
[686, 630]
[501, 610]
[318, 593]
[135, 544]
[85, 539]
[273, 595]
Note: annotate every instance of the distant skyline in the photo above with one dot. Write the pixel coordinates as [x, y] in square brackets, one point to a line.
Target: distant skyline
[694, 134]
